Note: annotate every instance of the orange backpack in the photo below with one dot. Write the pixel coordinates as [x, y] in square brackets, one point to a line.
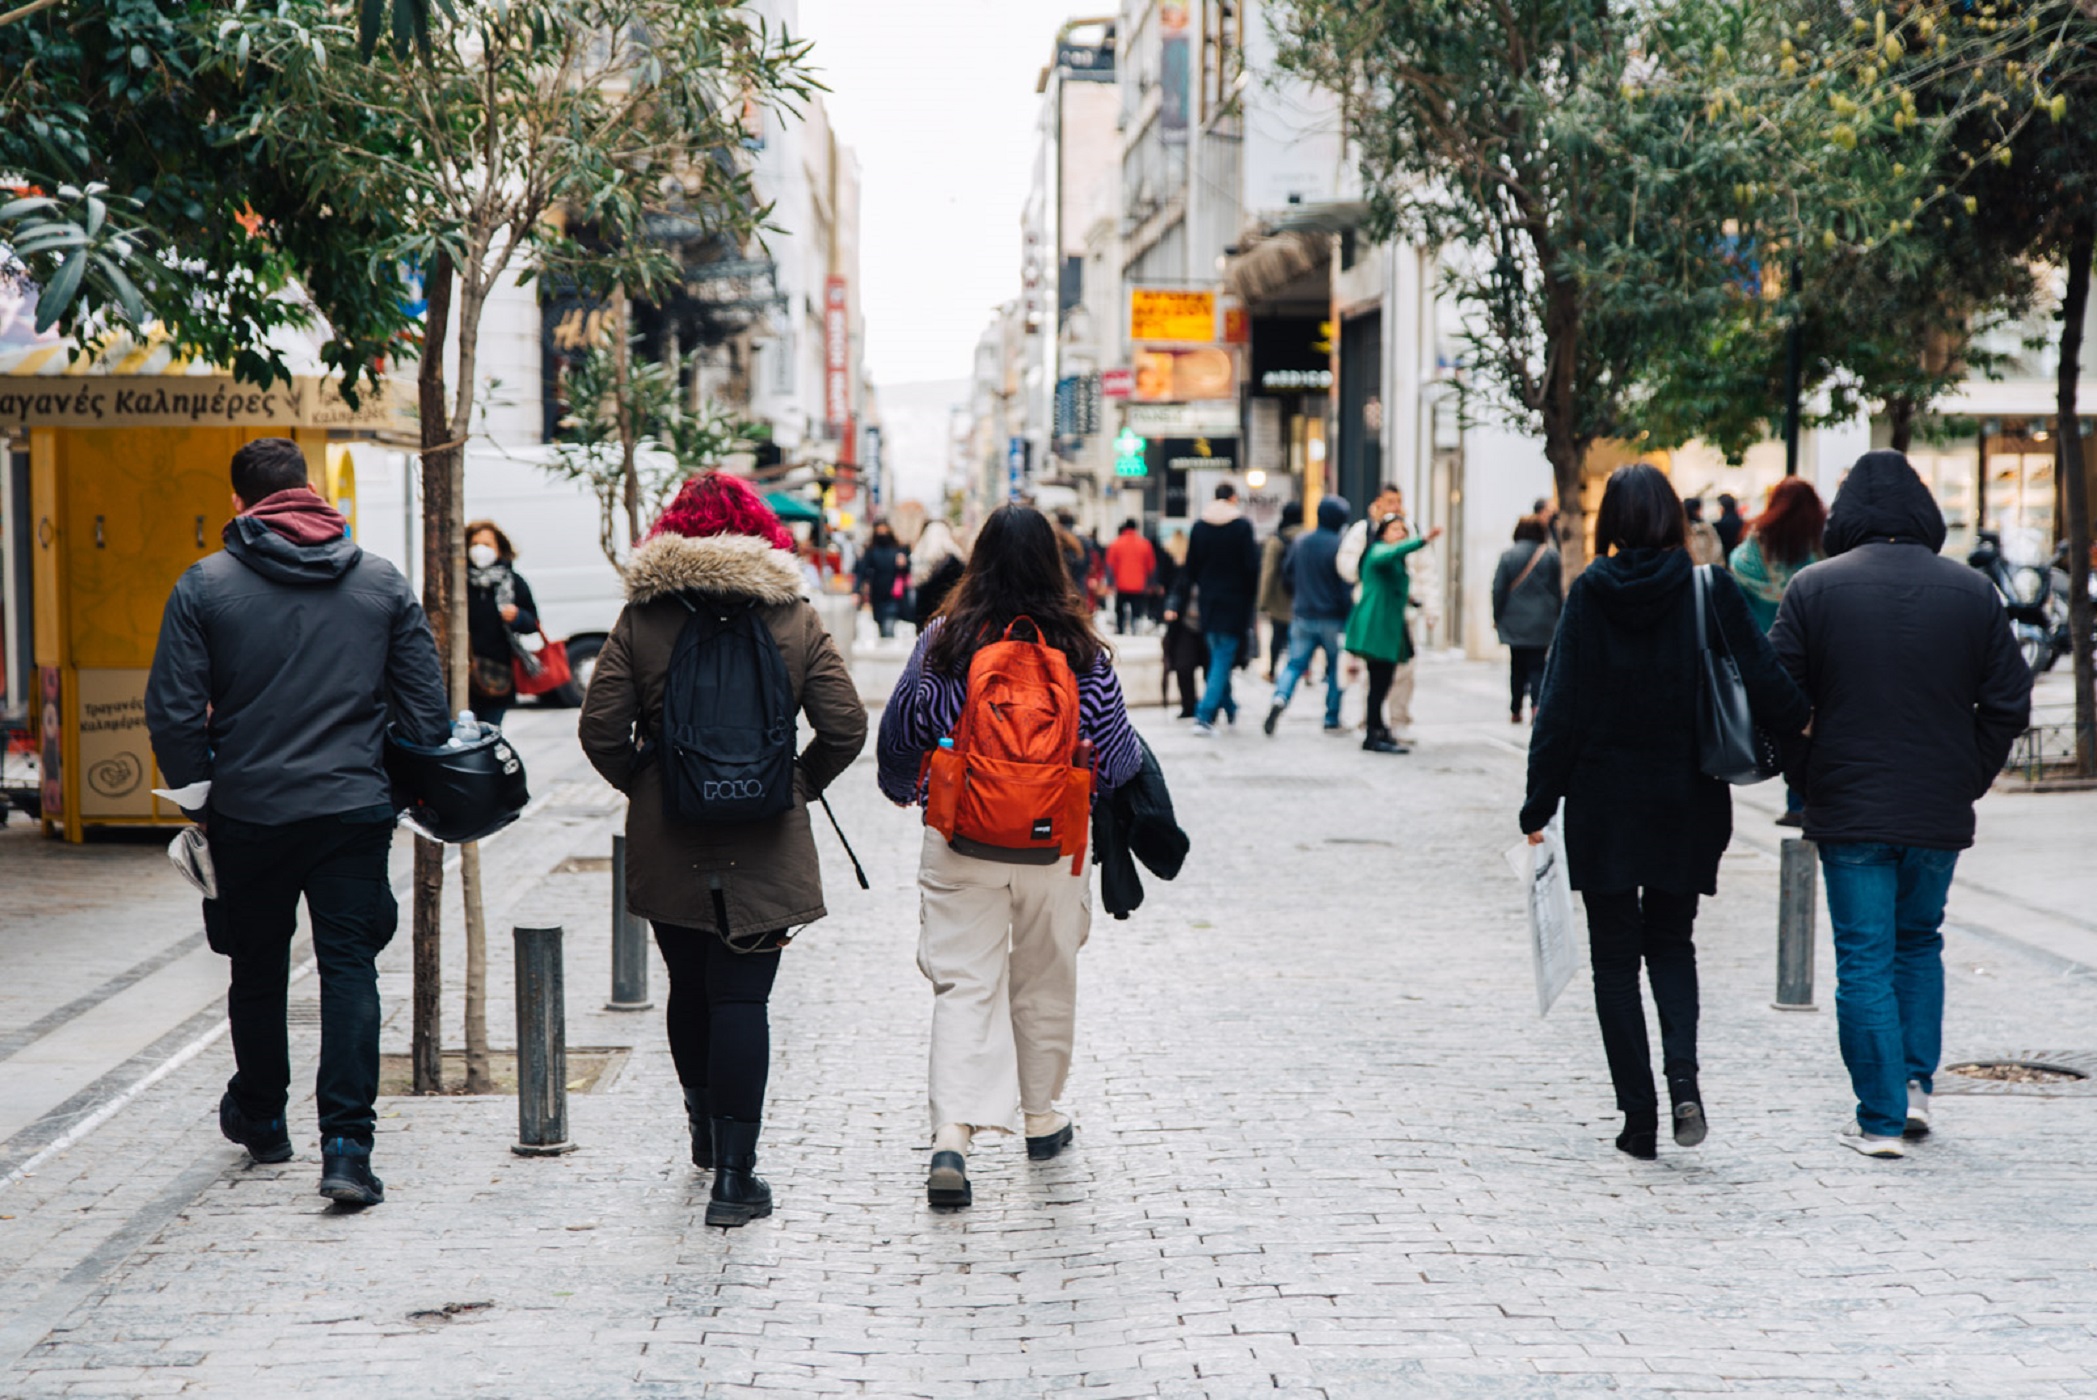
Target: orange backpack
[1013, 783]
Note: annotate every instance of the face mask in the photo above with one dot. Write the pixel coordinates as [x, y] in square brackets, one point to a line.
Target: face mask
[482, 555]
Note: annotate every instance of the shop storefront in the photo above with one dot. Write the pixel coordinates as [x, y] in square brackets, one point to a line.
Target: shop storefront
[117, 484]
[1288, 393]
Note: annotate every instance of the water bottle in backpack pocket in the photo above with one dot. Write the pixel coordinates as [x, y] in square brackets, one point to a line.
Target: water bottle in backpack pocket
[728, 719]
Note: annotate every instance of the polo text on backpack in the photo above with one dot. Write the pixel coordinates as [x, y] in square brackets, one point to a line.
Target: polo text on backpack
[728, 719]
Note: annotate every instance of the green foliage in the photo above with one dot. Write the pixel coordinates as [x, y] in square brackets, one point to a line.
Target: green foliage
[522, 121]
[673, 440]
[108, 103]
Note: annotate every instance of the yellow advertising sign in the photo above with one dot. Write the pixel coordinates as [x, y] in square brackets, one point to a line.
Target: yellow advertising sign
[1164, 313]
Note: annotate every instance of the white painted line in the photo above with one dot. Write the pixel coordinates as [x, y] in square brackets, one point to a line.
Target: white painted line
[116, 1104]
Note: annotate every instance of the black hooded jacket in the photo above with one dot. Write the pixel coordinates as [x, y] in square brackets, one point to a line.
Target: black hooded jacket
[1918, 690]
[1615, 730]
[277, 669]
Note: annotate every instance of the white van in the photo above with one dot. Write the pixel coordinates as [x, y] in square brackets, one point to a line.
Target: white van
[552, 522]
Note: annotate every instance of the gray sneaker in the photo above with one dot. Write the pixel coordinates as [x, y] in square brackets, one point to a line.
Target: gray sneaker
[1918, 1112]
[1857, 1140]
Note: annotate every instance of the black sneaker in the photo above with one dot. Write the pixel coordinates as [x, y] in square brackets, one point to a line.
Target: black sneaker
[1045, 1147]
[345, 1174]
[1274, 713]
[265, 1138]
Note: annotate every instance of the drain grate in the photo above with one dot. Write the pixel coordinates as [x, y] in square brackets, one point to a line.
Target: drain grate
[2041, 1073]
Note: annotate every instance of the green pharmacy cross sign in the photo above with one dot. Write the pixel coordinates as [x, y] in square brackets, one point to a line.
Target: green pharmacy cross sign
[1128, 454]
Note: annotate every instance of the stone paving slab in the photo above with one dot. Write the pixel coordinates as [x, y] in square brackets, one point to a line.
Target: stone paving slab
[1326, 1147]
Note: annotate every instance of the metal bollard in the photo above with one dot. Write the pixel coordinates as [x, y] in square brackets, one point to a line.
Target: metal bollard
[1798, 903]
[629, 943]
[542, 1046]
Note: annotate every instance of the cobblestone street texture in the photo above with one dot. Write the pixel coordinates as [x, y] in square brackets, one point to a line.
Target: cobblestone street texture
[1325, 1145]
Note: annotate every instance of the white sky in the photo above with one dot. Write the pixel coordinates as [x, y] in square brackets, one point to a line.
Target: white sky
[937, 99]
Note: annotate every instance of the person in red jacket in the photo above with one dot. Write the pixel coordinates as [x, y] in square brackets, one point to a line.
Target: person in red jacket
[1131, 565]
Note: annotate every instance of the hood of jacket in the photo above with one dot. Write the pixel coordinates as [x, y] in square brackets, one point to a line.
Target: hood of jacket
[1883, 499]
[293, 537]
[1220, 512]
[739, 565]
[1639, 588]
[1332, 514]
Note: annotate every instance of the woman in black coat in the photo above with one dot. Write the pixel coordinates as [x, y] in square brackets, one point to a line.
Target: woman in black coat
[499, 605]
[1615, 739]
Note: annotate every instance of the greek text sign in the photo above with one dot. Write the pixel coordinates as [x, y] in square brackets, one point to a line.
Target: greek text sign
[189, 401]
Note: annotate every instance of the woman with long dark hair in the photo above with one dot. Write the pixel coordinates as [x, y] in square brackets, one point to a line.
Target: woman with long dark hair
[998, 939]
[1782, 540]
[1616, 741]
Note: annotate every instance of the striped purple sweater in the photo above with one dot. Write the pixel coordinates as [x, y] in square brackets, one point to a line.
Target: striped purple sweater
[927, 705]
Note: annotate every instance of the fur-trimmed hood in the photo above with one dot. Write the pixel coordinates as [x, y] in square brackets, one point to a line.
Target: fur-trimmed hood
[737, 565]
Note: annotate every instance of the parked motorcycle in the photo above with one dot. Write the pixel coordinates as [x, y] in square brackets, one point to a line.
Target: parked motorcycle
[2037, 612]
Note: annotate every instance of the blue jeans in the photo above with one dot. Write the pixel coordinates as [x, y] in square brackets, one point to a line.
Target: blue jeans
[1306, 636]
[1887, 905]
[1223, 659]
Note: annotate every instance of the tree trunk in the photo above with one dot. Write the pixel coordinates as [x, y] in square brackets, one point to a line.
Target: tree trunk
[460, 661]
[2075, 486]
[440, 530]
[1566, 458]
[479, 1079]
[622, 372]
[1900, 419]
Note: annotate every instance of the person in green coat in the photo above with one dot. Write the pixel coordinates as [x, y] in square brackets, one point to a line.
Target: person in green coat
[1376, 629]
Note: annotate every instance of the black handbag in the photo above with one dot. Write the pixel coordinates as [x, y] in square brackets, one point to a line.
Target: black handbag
[1730, 745]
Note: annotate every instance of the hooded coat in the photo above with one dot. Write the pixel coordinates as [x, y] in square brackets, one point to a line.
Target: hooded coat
[1917, 686]
[751, 877]
[1312, 568]
[280, 662]
[1223, 566]
[1615, 732]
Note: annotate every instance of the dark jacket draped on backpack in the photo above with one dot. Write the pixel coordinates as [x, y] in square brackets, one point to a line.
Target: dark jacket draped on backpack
[1918, 690]
[1135, 823]
[1615, 731]
[765, 872]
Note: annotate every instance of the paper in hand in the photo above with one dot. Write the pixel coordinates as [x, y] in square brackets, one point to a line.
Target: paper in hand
[190, 854]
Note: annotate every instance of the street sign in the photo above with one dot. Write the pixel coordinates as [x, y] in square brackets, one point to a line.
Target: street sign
[1128, 454]
[1172, 314]
[1015, 467]
[1117, 383]
[1212, 418]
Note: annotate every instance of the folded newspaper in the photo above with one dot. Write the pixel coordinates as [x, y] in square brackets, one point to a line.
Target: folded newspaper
[191, 855]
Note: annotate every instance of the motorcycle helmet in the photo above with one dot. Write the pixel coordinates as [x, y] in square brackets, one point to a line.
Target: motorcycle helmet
[457, 793]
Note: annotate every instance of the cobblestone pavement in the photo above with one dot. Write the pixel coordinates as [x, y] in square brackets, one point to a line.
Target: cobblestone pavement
[1326, 1147]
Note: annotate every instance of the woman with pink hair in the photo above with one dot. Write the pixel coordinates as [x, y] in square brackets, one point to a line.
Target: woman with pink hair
[725, 889]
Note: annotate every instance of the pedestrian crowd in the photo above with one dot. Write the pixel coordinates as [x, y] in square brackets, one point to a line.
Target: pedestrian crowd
[1836, 646]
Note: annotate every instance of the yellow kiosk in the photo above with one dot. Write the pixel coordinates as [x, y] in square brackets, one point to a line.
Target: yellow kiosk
[128, 459]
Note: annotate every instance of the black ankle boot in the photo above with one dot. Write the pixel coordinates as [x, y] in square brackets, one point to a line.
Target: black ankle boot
[1690, 1126]
[740, 1195]
[698, 1115]
[1640, 1134]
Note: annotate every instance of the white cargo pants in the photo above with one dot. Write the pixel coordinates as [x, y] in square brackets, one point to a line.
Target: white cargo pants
[999, 944]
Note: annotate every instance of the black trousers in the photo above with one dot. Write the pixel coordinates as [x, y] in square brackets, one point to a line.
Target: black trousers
[339, 865]
[720, 1031]
[1381, 674]
[1525, 675]
[1655, 927]
[1129, 609]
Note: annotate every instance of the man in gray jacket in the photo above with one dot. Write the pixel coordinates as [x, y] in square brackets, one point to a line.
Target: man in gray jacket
[279, 664]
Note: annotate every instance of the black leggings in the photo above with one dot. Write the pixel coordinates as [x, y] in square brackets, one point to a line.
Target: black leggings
[1623, 931]
[1381, 674]
[720, 1036]
[1525, 675]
